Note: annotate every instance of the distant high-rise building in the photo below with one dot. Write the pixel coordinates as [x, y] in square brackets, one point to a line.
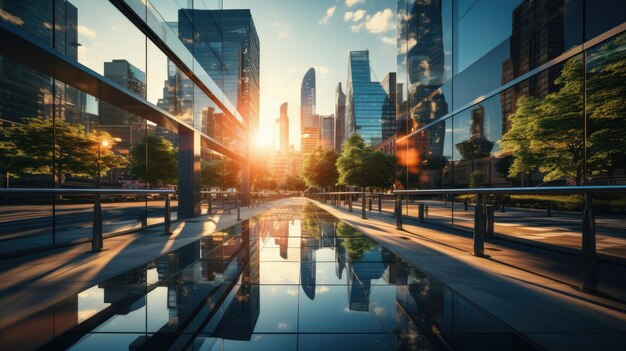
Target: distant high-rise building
[121, 124]
[226, 45]
[389, 106]
[364, 100]
[283, 126]
[327, 132]
[309, 120]
[340, 117]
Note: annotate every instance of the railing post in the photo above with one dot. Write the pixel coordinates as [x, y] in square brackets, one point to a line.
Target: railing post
[489, 221]
[96, 232]
[380, 202]
[349, 203]
[370, 204]
[398, 210]
[590, 269]
[210, 203]
[228, 204]
[238, 200]
[479, 226]
[420, 212]
[167, 221]
[426, 211]
[363, 206]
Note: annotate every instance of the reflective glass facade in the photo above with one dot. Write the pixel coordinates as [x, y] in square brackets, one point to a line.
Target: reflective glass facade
[365, 100]
[309, 120]
[511, 93]
[499, 87]
[104, 94]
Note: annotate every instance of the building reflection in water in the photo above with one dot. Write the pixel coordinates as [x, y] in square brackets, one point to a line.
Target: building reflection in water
[211, 291]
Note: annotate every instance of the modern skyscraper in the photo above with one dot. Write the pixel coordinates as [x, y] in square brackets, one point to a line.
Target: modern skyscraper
[389, 106]
[327, 132]
[283, 126]
[340, 117]
[364, 100]
[309, 120]
[226, 45]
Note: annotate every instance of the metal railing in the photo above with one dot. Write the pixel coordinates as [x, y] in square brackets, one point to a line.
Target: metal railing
[96, 232]
[484, 214]
[232, 199]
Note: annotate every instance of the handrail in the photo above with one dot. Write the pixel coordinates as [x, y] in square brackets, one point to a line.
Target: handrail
[484, 215]
[583, 189]
[57, 191]
[96, 231]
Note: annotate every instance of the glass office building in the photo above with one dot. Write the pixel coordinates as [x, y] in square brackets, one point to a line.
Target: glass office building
[511, 93]
[309, 120]
[365, 101]
[106, 94]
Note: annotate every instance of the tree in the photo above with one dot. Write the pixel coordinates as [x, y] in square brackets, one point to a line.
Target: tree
[160, 165]
[219, 173]
[41, 146]
[318, 168]
[259, 173]
[295, 183]
[546, 134]
[360, 165]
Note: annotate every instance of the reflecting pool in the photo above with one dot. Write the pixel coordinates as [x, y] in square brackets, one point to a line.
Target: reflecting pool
[293, 278]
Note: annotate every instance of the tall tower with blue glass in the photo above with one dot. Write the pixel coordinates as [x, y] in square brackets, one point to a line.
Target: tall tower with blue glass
[364, 100]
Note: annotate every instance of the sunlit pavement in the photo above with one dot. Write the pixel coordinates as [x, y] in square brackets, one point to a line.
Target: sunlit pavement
[561, 230]
[532, 289]
[30, 282]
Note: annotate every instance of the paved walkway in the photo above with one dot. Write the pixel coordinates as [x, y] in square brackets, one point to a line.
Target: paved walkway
[561, 231]
[532, 290]
[31, 282]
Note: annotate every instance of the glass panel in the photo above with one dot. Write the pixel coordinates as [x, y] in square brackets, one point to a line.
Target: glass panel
[606, 138]
[26, 144]
[95, 142]
[602, 15]
[160, 152]
[35, 16]
[507, 39]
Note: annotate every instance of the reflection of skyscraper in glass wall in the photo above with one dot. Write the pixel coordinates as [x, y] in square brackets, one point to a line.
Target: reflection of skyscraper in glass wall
[309, 120]
[531, 48]
[283, 129]
[128, 128]
[226, 45]
[364, 100]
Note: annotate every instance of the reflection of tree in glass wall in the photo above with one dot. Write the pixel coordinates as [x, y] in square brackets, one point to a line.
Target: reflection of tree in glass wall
[75, 152]
[546, 134]
[155, 161]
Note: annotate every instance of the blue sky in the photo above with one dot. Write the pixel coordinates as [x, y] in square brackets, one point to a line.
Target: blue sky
[298, 34]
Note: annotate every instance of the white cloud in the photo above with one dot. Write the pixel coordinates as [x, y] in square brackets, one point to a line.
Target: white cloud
[282, 29]
[322, 69]
[329, 14]
[87, 32]
[357, 27]
[350, 3]
[388, 40]
[354, 16]
[381, 22]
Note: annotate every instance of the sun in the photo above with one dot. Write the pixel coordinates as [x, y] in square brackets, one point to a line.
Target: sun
[263, 140]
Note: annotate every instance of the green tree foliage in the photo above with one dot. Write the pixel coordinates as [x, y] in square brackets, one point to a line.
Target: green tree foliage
[606, 106]
[161, 158]
[477, 178]
[318, 168]
[220, 173]
[39, 146]
[360, 165]
[355, 243]
[546, 134]
[295, 183]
